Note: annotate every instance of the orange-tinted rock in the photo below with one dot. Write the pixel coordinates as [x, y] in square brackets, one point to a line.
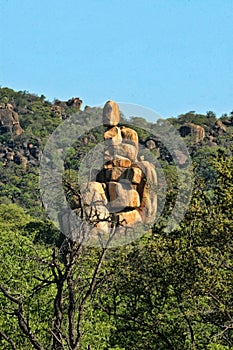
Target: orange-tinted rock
[220, 126]
[97, 213]
[125, 188]
[9, 122]
[93, 194]
[126, 150]
[74, 102]
[116, 174]
[120, 161]
[102, 227]
[111, 114]
[113, 136]
[116, 161]
[196, 131]
[148, 171]
[134, 175]
[57, 110]
[122, 195]
[147, 192]
[9, 106]
[129, 217]
[108, 165]
[129, 136]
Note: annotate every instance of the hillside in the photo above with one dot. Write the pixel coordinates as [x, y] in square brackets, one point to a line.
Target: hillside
[170, 289]
[27, 120]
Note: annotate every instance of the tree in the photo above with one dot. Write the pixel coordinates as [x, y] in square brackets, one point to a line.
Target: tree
[173, 290]
[46, 297]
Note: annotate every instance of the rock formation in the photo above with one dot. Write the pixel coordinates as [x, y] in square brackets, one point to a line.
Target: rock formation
[124, 189]
[9, 120]
[74, 102]
[218, 129]
[111, 114]
[59, 108]
[194, 130]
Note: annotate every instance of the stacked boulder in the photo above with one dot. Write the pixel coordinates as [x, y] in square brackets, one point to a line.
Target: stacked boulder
[9, 120]
[124, 189]
[197, 131]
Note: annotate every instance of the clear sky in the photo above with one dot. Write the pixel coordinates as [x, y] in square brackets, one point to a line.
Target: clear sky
[172, 56]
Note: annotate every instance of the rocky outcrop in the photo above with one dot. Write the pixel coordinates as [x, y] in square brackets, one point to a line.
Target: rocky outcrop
[150, 144]
[220, 126]
[111, 114]
[218, 129]
[124, 189]
[21, 152]
[211, 141]
[194, 130]
[147, 191]
[56, 110]
[74, 102]
[180, 157]
[59, 108]
[9, 120]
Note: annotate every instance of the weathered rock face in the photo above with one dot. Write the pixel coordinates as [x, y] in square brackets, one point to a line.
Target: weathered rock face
[129, 193]
[74, 102]
[93, 194]
[124, 150]
[113, 137]
[57, 110]
[129, 136]
[124, 189]
[150, 144]
[147, 192]
[111, 114]
[219, 128]
[122, 195]
[181, 157]
[9, 121]
[129, 218]
[196, 131]
[114, 160]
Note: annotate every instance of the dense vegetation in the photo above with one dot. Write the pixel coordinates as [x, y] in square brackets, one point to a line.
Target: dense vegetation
[167, 290]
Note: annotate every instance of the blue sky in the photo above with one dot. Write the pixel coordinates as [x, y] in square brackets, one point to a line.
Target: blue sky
[172, 56]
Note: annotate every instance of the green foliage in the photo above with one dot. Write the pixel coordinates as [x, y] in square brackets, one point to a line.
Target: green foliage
[18, 268]
[207, 120]
[173, 290]
[168, 290]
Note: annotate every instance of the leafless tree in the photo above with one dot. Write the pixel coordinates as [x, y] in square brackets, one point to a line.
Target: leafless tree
[72, 292]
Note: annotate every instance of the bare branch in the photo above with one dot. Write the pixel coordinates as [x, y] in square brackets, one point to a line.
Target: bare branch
[71, 311]
[23, 323]
[57, 339]
[91, 288]
[8, 339]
